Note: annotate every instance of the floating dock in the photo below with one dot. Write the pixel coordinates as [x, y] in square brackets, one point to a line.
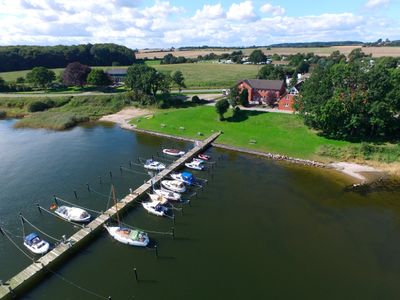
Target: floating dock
[33, 273]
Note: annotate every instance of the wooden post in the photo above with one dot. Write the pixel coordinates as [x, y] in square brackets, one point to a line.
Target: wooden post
[38, 206]
[100, 180]
[88, 188]
[55, 199]
[1, 231]
[130, 164]
[173, 232]
[136, 274]
[156, 249]
[76, 195]
[110, 174]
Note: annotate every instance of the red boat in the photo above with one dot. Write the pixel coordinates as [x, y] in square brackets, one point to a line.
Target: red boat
[204, 157]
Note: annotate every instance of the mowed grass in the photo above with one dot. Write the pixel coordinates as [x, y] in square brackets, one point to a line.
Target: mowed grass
[211, 75]
[273, 132]
[197, 75]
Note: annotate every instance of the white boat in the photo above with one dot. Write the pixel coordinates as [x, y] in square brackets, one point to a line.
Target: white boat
[195, 165]
[157, 205]
[35, 244]
[198, 160]
[132, 237]
[173, 152]
[204, 156]
[184, 177]
[74, 214]
[172, 196]
[174, 185]
[154, 165]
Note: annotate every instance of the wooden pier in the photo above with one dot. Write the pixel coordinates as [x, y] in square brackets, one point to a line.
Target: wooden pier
[33, 273]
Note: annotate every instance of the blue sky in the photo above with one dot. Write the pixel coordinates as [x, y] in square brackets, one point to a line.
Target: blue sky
[158, 23]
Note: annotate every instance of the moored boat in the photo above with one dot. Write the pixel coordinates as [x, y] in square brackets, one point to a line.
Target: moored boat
[156, 207]
[128, 236]
[154, 165]
[184, 177]
[173, 152]
[35, 244]
[195, 165]
[204, 156]
[169, 195]
[174, 185]
[74, 214]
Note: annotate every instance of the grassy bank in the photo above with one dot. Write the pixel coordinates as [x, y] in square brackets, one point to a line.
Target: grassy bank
[270, 132]
[61, 112]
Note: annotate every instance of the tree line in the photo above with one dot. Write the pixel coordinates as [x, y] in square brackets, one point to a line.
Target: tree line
[15, 58]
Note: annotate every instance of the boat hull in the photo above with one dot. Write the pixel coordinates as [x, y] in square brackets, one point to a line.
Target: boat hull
[170, 186]
[41, 250]
[126, 240]
[172, 196]
[173, 152]
[150, 208]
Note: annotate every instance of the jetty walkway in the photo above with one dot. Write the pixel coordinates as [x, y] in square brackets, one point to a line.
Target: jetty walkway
[39, 268]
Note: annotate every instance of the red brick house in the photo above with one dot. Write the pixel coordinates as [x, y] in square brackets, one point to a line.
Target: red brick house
[263, 91]
[286, 102]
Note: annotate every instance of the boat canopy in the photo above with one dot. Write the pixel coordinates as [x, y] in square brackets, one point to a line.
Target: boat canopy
[187, 176]
[29, 238]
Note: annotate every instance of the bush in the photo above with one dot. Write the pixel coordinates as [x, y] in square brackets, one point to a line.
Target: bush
[3, 114]
[37, 106]
[196, 99]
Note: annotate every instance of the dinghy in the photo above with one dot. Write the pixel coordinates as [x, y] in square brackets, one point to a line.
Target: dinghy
[35, 244]
[154, 165]
[195, 165]
[204, 157]
[184, 177]
[73, 214]
[198, 160]
[174, 185]
[132, 237]
[172, 196]
[173, 152]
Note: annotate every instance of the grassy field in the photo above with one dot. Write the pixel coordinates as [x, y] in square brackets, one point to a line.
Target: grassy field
[198, 75]
[273, 132]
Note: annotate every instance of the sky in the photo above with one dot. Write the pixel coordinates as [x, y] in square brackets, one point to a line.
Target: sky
[175, 23]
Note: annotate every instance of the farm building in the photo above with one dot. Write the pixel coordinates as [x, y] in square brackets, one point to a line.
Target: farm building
[263, 91]
[117, 75]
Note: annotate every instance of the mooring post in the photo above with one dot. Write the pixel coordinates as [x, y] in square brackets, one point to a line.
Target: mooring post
[1, 231]
[130, 164]
[100, 180]
[76, 195]
[38, 206]
[88, 187]
[173, 220]
[110, 174]
[156, 249]
[182, 210]
[120, 169]
[109, 297]
[55, 199]
[136, 275]
[173, 232]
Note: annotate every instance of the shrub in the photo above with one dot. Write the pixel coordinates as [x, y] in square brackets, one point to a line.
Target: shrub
[37, 106]
[196, 99]
[3, 114]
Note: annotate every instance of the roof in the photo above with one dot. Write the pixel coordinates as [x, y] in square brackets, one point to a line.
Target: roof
[262, 84]
[30, 237]
[117, 72]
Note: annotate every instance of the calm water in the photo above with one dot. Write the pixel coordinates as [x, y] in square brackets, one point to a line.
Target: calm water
[258, 230]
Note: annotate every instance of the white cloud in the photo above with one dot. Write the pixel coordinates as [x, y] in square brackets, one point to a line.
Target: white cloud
[376, 3]
[210, 12]
[243, 11]
[268, 8]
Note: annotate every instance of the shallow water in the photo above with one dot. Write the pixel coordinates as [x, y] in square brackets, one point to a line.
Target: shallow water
[260, 229]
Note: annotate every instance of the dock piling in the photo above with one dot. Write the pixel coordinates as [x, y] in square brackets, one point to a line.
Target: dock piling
[173, 232]
[76, 195]
[38, 206]
[156, 250]
[88, 187]
[136, 274]
[110, 174]
[100, 180]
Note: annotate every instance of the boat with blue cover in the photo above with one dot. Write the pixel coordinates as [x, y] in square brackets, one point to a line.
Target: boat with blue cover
[35, 244]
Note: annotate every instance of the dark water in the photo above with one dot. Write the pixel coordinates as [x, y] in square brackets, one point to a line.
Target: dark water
[258, 230]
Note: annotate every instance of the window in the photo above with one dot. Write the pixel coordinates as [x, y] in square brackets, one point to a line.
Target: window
[286, 104]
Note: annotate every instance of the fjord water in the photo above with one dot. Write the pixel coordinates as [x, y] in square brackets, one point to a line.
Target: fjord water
[260, 229]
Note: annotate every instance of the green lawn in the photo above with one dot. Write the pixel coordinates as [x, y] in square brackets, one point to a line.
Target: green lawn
[197, 75]
[273, 132]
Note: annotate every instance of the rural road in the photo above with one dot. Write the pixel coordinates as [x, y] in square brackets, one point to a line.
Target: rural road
[14, 95]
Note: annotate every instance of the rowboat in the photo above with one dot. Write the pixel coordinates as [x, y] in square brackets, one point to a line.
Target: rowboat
[173, 152]
[128, 236]
[174, 185]
[154, 165]
[74, 214]
[35, 244]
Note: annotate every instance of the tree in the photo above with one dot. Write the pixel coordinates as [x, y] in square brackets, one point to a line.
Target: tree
[41, 77]
[98, 77]
[233, 96]
[244, 98]
[293, 80]
[147, 80]
[75, 74]
[3, 86]
[20, 80]
[178, 78]
[222, 107]
[271, 98]
[272, 73]
[356, 55]
[257, 56]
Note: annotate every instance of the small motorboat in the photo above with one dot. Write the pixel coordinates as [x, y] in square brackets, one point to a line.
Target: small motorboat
[195, 165]
[154, 165]
[198, 160]
[169, 195]
[35, 244]
[174, 185]
[157, 205]
[185, 177]
[173, 152]
[204, 157]
[74, 214]
[132, 237]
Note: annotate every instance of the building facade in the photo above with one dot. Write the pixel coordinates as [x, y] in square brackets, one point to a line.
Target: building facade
[263, 91]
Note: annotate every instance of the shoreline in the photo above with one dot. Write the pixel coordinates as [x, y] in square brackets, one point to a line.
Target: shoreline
[352, 170]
